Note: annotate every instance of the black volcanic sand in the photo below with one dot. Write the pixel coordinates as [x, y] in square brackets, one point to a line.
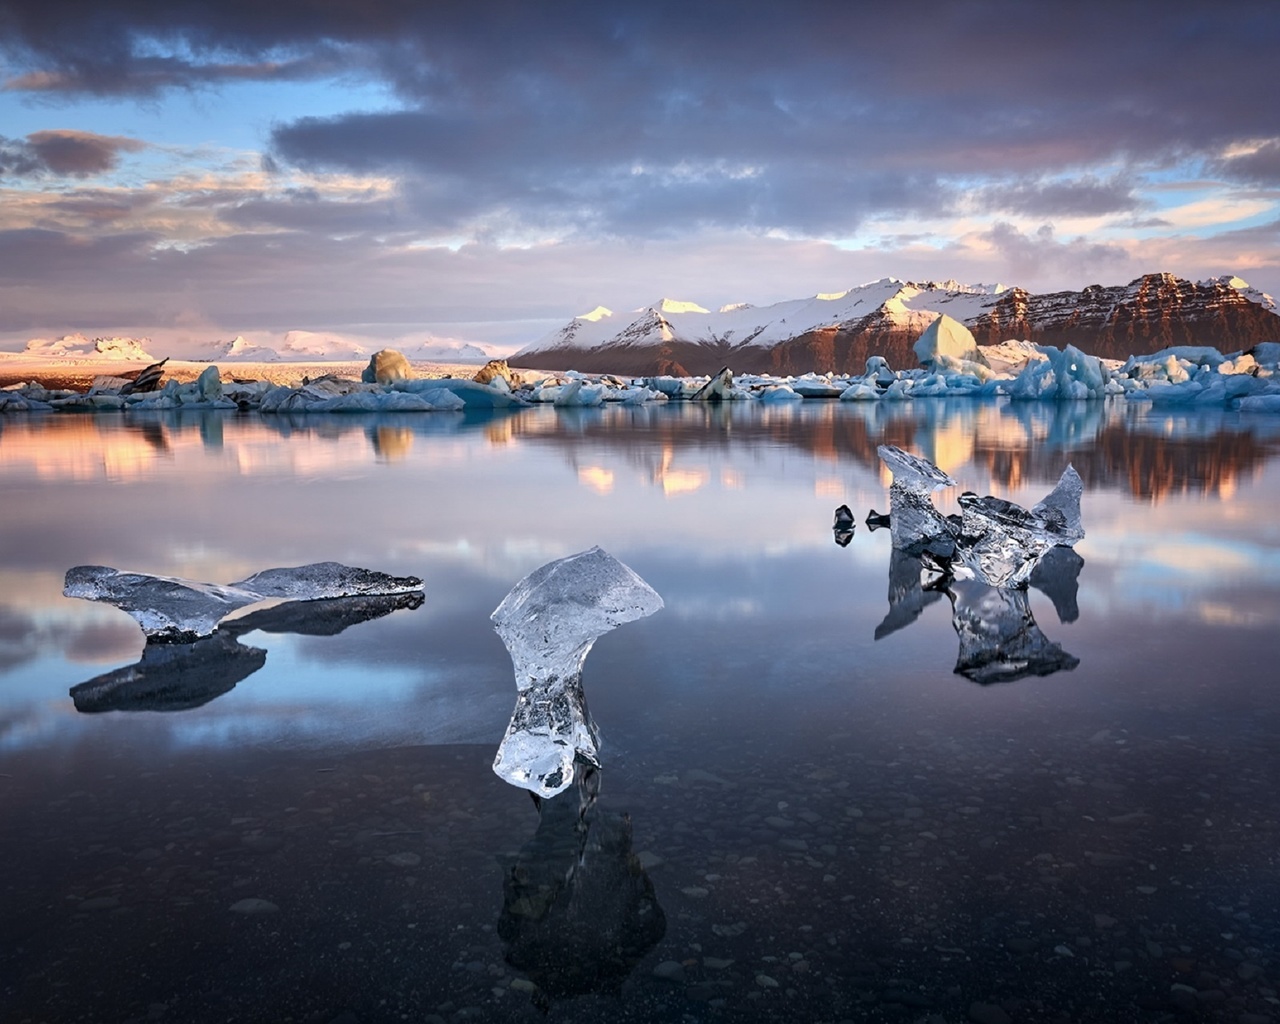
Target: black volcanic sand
[915, 878]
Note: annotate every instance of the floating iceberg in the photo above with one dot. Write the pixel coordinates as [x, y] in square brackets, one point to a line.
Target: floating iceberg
[998, 542]
[174, 610]
[549, 622]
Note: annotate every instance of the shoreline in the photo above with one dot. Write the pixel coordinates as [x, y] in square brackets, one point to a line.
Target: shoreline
[74, 374]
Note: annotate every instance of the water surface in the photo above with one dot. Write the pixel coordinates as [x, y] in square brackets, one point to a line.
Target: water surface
[795, 820]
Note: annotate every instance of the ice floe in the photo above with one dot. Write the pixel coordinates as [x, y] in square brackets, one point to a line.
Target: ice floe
[176, 610]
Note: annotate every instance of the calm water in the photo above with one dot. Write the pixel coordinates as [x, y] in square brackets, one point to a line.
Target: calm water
[795, 821]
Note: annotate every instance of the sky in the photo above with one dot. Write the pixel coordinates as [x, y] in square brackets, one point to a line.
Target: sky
[484, 170]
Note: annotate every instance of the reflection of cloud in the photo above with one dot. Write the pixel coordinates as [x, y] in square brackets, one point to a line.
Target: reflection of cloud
[1214, 613]
[597, 478]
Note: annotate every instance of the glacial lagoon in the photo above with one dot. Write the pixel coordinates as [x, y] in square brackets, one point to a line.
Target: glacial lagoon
[817, 801]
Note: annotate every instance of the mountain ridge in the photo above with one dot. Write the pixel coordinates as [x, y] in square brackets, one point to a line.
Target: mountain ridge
[838, 331]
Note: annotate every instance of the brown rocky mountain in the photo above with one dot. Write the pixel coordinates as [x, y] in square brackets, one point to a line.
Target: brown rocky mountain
[839, 332]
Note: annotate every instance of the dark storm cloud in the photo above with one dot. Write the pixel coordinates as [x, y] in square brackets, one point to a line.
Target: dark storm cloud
[1261, 166]
[1080, 197]
[63, 153]
[784, 116]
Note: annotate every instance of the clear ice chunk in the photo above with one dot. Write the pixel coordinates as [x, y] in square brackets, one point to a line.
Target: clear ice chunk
[1000, 542]
[999, 638]
[914, 521]
[549, 622]
[172, 609]
[1060, 508]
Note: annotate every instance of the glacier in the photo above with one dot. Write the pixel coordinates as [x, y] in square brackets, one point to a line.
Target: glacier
[549, 622]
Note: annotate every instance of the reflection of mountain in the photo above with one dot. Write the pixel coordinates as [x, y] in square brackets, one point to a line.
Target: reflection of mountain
[1000, 640]
[1016, 443]
[578, 910]
[177, 677]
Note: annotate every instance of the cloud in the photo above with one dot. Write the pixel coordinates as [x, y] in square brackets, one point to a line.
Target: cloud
[1085, 196]
[660, 118]
[1256, 163]
[1031, 255]
[63, 153]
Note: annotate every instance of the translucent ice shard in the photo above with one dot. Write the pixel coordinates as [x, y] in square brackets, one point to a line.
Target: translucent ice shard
[166, 607]
[549, 622]
[999, 638]
[1000, 542]
[914, 522]
[178, 676]
[1060, 508]
[171, 609]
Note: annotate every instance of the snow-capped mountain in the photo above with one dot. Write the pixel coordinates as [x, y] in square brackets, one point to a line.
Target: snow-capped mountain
[838, 331]
[77, 346]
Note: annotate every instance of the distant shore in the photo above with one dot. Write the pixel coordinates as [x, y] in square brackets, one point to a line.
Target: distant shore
[77, 374]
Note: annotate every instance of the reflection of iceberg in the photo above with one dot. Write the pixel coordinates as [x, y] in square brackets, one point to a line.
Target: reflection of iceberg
[170, 609]
[549, 622]
[999, 638]
[179, 676]
[172, 677]
[578, 910]
[912, 588]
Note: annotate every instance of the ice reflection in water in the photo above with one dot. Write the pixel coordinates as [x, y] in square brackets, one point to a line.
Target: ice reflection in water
[181, 676]
[579, 912]
[999, 639]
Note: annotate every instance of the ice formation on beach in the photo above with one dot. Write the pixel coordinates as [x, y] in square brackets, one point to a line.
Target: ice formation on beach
[996, 541]
[549, 622]
[171, 609]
